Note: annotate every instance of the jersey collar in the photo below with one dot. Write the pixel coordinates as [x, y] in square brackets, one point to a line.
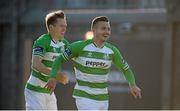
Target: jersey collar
[97, 46]
[54, 40]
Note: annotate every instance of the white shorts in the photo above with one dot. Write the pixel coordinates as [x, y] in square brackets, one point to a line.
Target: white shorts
[39, 101]
[89, 104]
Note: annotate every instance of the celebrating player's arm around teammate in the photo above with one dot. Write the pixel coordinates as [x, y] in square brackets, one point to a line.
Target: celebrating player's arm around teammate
[92, 62]
[45, 49]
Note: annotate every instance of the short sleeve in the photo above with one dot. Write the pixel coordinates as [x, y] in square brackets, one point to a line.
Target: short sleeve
[39, 47]
[73, 50]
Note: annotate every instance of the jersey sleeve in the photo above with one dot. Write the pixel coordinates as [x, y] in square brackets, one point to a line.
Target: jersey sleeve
[118, 60]
[70, 52]
[66, 43]
[123, 66]
[39, 47]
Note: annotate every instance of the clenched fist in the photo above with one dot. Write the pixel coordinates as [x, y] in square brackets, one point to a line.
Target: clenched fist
[62, 78]
[136, 91]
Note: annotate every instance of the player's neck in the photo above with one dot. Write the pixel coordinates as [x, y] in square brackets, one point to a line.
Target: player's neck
[98, 42]
[55, 37]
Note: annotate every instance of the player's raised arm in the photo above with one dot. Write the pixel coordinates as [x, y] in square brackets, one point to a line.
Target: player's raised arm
[123, 66]
[70, 52]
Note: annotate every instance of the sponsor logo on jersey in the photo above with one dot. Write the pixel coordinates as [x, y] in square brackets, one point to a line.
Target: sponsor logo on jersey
[96, 64]
[38, 49]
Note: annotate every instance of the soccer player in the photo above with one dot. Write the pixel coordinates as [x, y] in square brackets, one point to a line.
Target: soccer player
[92, 62]
[45, 49]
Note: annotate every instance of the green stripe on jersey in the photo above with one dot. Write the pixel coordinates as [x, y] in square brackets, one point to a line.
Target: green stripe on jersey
[97, 55]
[40, 76]
[92, 85]
[37, 88]
[90, 70]
[47, 63]
[99, 97]
[41, 55]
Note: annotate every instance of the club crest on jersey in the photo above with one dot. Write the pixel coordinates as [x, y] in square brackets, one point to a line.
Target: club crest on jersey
[62, 49]
[89, 54]
[106, 56]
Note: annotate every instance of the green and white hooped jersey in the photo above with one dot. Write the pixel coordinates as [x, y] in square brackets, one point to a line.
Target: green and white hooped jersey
[92, 66]
[48, 50]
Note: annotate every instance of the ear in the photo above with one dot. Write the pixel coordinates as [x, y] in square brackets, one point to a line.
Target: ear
[93, 30]
[50, 26]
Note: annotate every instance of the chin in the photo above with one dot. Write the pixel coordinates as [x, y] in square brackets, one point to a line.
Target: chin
[61, 35]
[105, 39]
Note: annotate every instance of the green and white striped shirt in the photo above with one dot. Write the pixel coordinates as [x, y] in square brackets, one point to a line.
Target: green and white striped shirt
[48, 50]
[92, 66]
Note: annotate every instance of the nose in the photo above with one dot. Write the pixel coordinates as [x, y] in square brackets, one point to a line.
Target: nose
[108, 32]
[64, 29]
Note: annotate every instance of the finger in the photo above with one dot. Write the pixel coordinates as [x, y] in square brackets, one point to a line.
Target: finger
[52, 90]
[48, 87]
[65, 82]
[134, 94]
[139, 95]
[45, 86]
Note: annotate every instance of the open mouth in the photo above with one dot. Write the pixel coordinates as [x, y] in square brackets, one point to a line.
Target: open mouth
[62, 33]
[106, 36]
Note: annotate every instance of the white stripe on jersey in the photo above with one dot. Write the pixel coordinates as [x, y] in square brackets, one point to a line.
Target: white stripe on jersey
[90, 77]
[50, 56]
[93, 48]
[57, 45]
[91, 90]
[35, 81]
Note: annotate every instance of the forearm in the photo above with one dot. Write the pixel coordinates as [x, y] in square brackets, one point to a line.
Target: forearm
[39, 66]
[56, 66]
[130, 77]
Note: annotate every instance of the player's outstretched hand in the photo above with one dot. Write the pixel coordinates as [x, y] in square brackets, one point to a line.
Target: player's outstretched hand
[62, 78]
[136, 91]
[51, 84]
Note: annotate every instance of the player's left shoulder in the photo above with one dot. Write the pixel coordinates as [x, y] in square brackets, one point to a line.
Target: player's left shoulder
[65, 41]
[112, 47]
[109, 45]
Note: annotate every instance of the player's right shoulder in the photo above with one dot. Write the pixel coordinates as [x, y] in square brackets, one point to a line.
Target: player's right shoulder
[43, 40]
[78, 45]
[44, 37]
[82, 42]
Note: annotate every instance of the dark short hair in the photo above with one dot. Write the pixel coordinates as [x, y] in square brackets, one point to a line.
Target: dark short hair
[98, 19]
[53, 16]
